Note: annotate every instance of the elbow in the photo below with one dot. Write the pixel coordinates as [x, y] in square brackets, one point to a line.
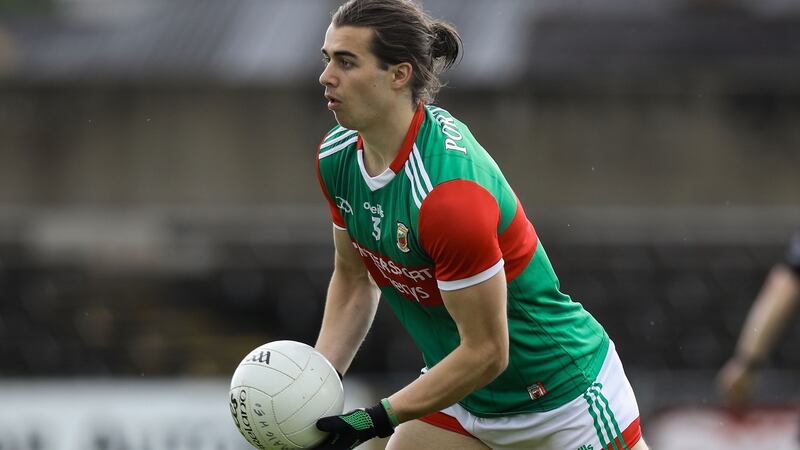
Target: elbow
[495, 362]
[499, 363]
[501, 350]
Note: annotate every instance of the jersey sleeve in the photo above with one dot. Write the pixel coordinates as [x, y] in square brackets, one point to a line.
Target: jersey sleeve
[458, 224]
[336, 215]
[793, 254]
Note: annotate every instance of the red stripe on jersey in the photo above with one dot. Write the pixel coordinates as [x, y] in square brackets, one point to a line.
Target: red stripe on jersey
[518, 243]
[408, 141]
[458, 228]
[336, 215]
[446, 422]
[631, 436]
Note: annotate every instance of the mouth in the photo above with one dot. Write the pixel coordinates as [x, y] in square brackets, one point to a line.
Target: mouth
[333, 102]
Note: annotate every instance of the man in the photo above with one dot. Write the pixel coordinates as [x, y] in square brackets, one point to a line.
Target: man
[423, 216]
[767, 318]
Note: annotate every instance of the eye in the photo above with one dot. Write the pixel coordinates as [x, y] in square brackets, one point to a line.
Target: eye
[325, 60]
[346, 64]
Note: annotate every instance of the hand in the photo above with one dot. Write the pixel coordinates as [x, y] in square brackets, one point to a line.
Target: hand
[735, 382]
[351, 429]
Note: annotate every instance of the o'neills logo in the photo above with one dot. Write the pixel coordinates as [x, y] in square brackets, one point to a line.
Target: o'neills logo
[402, 237]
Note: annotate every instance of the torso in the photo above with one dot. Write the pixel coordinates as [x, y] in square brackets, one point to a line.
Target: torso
[397, 222]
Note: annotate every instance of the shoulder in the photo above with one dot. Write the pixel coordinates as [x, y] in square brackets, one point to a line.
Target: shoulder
[449, 143]
[332, 154]
[448, 132]
[449, 151]
[336, 140]
[459, 199]
[332, 151]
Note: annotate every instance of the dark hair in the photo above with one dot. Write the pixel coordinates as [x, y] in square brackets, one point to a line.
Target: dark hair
[404, 32]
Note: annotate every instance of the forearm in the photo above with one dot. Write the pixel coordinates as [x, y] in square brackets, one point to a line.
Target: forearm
[462, 372]
[349, 310]
[768, 316]
[480, 315]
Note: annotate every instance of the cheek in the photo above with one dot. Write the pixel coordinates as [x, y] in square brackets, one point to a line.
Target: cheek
[369, 90]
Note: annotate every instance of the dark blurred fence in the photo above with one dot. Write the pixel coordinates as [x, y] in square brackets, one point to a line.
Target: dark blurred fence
[674, 300]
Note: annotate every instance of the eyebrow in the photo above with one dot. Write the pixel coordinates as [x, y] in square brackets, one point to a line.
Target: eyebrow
[341, 53]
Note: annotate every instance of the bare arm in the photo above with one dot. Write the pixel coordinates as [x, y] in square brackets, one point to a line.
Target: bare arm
[767, 318]
[480, 315]
[349, 306]
[769, 315]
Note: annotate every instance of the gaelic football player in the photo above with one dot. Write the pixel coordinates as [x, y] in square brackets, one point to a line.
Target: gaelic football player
[423, 217]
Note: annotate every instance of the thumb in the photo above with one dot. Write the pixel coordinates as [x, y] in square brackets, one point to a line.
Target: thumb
[329, 424]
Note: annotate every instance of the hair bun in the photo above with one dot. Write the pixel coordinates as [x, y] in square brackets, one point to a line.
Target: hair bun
[446, 43]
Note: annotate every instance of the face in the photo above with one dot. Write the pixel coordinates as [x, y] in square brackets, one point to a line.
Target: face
[358, 90]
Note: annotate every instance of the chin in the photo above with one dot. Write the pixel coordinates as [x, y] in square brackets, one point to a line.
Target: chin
[344, 121]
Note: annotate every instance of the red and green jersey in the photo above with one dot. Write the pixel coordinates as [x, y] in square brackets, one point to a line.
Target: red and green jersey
[443, 217]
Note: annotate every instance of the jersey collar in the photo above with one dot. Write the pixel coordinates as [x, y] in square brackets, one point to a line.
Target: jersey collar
[408, 142]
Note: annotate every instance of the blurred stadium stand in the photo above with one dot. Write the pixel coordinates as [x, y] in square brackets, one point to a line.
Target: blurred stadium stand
[159, 213]
[509, 42]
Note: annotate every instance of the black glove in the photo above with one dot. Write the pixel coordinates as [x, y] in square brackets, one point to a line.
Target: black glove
[351, 429]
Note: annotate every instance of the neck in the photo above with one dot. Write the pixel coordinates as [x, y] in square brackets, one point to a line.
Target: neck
[382, 141]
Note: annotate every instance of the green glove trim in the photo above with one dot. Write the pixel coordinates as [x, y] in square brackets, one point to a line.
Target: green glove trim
[359, 420]
[390, 412]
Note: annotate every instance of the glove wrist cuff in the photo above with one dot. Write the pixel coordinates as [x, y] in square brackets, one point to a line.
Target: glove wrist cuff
[380, 420]
[390, 412]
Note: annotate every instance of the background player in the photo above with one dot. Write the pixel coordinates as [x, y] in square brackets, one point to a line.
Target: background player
[421, 211]
[768, 317]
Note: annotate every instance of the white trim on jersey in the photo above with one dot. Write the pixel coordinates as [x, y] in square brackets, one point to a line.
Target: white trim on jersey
[473, 280]
[377, 182]
[330, 140]
[338, 227]
[414, 194]
[425, 178]
[418, 176]
[338, 148]
[415, 180]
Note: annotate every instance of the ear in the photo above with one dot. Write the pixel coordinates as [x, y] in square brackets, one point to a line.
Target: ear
[401, 75]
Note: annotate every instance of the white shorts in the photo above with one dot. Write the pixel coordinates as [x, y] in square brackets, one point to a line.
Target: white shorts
[606, 416]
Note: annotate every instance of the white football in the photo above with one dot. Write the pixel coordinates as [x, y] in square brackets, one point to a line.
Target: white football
[279, 391]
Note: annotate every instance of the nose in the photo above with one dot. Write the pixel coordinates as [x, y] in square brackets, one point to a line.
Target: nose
[326, 78]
